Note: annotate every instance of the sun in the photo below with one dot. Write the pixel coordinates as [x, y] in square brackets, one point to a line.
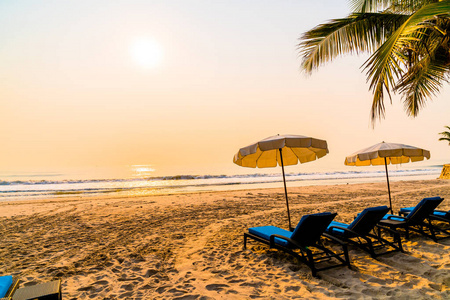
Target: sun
[146, 52]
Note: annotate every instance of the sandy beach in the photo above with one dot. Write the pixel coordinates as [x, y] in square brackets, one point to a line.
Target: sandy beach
[190, 246]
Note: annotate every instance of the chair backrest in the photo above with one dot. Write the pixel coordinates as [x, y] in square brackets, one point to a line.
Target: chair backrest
[422, 210]
[367, 219]
[311, 227]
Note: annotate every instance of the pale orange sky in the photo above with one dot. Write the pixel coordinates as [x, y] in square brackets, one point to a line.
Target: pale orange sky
[72, 94]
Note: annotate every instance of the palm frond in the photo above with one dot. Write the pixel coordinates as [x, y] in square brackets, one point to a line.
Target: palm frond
[421, 82]
[356, 33]
[399, 6]
[427, 68]
[445, 139]
[409, 6]
[384, 66]
[366, 6]
[446, 135]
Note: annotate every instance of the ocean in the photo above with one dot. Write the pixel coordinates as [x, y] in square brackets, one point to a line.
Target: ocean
[40, 185]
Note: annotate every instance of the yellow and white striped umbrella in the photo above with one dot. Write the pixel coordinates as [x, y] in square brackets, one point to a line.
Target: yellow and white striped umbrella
[385, 154]
[294, 149]
[281, 150]
[394, 154]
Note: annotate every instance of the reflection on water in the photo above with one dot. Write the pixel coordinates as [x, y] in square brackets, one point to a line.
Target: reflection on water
[142, 171]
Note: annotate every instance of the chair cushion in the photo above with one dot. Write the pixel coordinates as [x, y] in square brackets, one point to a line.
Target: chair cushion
[337, 230]
[266, 231]
[303, 233]
[444, 214]
[394, 217]
[5, 283]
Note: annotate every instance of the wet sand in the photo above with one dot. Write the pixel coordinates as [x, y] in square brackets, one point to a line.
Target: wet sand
[190, 246]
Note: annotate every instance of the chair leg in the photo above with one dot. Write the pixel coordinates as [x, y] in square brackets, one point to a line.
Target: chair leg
[369, 246]
[311, 263]
[430, 227]
[347, 258]
[398, 239]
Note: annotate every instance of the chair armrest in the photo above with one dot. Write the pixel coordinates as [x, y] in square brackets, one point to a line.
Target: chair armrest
[439, 218]
[334, 239]
[392, 231]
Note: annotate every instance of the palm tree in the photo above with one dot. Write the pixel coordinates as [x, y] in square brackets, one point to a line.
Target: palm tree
[445, 135]
[409, 41]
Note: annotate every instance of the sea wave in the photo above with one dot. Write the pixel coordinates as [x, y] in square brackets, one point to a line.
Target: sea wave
[336, 174]
[183, 183]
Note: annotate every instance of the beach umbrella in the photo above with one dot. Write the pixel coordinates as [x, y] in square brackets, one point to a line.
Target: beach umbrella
[384, 154]
[281, 150]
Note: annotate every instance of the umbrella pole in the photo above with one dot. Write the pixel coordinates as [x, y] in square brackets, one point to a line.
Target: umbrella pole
[285, 190]
[389, 189]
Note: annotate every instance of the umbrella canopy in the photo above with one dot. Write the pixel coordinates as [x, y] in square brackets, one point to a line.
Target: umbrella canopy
[394, 154]
[281, 150]
[385, 154]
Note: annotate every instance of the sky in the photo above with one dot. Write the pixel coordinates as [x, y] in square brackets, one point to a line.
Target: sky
[182, 85]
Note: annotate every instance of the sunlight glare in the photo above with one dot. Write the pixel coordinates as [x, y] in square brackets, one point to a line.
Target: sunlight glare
[142, 171]
[147, 53]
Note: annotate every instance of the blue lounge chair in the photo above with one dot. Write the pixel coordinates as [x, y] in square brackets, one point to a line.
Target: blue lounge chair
[417, 220]
[8, 285]
[436, 215]
[361, 232]
[304, 242]
[439, 215]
